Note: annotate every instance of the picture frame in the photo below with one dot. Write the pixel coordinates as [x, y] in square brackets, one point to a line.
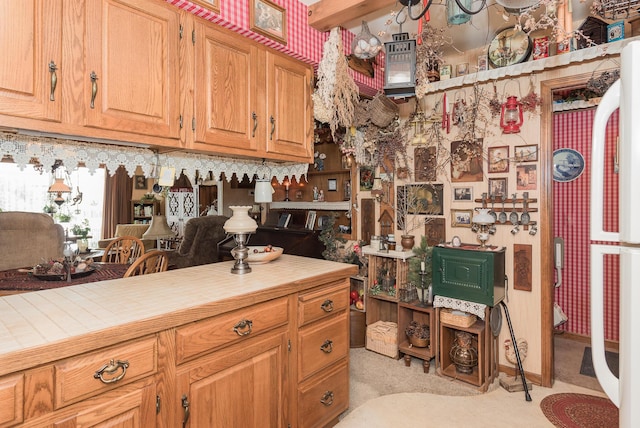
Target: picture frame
[462, 194]
[498, 159]
[435, 231]
[140, 182]
[466, 161]
[540, 47]
[462, 69]
[509, 46]
[615, 31]
[461, 218]
[498, 187]
[366, 178]
[527, 153]
[527, 177]
[445, 71]
[310, 221]
[268, 19]
[211, 5]
[424, 199]
[332, 184]
[483, 63]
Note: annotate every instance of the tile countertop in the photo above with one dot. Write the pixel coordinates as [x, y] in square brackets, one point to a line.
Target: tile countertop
[44, 321]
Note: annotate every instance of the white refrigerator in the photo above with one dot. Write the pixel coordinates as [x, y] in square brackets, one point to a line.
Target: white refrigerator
[624, 391]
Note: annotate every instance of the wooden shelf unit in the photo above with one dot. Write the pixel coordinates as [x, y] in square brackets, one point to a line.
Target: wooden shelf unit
[412, 311]
[142, 211]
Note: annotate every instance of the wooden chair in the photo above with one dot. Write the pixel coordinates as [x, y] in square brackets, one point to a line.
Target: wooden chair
[151, 262]
[125, 249]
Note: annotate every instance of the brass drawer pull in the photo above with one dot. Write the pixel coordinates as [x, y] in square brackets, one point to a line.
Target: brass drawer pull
[187, 413]
[242, 325]
[254, 116]
[54, 80]
[94, 88]
[273, 127]
[327, 346]
[327, 398]
[110, 369]
[327, 305]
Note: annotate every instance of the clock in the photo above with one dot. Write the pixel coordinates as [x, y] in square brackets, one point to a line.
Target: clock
[455, 241]
[509, 47]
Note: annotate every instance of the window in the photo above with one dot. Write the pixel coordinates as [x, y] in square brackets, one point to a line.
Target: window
[26, 190]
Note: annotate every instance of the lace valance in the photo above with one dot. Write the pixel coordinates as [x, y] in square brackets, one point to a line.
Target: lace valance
[27, 149]
[460, 305]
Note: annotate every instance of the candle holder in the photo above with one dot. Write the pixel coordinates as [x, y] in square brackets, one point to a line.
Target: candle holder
[424, 293]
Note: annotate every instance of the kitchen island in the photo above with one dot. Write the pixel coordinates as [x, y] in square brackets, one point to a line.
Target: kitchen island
[193, 347]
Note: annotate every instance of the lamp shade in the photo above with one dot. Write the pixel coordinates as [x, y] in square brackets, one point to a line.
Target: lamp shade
[483, 217]
[159, 228]
[240, 221]
[59, 186]
[263, 191]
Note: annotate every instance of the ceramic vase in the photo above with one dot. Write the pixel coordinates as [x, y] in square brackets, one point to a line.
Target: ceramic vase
[407, 242]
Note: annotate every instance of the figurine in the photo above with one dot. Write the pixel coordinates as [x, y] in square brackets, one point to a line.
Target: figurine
[321, 196]
[315, 193]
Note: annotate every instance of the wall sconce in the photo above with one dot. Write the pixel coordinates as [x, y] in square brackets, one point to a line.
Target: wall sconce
[484, 220]
[377, 191]
[400, 66]
[511, 118]
[240, 226]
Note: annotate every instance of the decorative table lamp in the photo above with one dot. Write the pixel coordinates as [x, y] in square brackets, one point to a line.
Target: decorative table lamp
[241, 226]
[484, 220]
[158, 229]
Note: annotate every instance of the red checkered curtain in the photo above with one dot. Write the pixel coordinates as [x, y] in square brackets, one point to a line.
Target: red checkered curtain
[571, 221]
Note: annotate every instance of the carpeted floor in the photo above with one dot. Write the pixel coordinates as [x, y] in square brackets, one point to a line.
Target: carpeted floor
[586, 368]
[385, 393]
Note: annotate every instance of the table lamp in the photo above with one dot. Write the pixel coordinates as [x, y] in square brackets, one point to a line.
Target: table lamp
[158, 229]
[483, 219]
[241, 226]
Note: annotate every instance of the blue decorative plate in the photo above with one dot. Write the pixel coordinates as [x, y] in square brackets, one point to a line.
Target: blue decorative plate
[568, 164]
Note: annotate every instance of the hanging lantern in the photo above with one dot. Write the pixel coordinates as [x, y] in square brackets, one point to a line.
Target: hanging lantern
[455, 15]
[400, 66]
[511, 116]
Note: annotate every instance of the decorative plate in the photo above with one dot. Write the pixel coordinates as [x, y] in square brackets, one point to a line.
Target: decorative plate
[63, 276]
[257, 255]
[509, 47]
[568, 164]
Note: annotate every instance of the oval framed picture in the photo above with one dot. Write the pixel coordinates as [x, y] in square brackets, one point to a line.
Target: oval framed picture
[568, 164]
[509, 47]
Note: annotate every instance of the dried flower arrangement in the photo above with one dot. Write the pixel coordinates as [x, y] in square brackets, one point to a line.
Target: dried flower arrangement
[418, 330]
[429, 56]
[336, 95]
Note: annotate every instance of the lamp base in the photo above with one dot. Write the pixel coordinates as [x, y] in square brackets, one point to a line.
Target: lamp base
[240, 267]
[240, 253]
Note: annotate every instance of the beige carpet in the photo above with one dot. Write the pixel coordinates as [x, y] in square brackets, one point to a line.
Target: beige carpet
[386, 394]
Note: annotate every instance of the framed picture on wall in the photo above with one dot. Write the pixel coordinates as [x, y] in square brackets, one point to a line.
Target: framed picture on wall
[461, 218]
[498, 159]
[466, 161]
[332, 184]
[366, 178]
[527, 177]
[462, 194]
[528, 153]
[268, 19]
[498, 187]
[140, 182]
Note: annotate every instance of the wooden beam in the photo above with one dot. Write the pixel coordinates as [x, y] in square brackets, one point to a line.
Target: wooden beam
[326, 14]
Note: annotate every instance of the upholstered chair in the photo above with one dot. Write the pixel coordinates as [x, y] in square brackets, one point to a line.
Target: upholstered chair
[199, 245]
[28, 238]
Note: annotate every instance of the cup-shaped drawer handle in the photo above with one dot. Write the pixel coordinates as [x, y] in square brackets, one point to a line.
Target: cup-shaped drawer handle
[111, 369]
[327, 398]
[327, 305]
[327, 346]
[243, 327]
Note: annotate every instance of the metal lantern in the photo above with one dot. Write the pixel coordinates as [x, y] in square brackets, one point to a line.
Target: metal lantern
[400, 66]
[511, 116]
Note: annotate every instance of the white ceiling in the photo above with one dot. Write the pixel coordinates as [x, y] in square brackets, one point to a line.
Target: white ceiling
[475, 33]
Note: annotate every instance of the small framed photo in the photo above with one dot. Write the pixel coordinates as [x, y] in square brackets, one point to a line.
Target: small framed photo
[527, 177]
[462, 69]
[445, 71]
[483, 63]
[332, 184]
[141, 182]
[527, 153]
[366, 178]
[462, 194]
[498, 187]
[310, 222]
[268, 19]
[540, 47]
[498, 159]
[461, 218]
[615, 31]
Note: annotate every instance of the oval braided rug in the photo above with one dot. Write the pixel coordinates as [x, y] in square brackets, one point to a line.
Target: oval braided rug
[568, 410]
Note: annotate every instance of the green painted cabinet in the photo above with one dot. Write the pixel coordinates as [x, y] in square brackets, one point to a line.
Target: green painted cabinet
[469, 273]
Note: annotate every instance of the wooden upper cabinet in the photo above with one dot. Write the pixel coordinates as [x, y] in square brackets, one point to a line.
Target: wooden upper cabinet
[290, 110]
[228, 114]
[131, 76]
[31, 40]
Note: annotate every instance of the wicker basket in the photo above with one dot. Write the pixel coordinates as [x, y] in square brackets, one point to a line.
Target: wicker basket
[361, 114]
[448, 317]
[382, 337]
[418, 342]
[382, 110]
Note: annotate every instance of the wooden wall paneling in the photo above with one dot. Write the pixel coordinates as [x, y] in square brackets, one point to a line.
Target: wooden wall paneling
[368, 217]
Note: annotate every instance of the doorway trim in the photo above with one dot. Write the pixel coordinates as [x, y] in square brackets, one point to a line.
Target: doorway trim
[547, 87]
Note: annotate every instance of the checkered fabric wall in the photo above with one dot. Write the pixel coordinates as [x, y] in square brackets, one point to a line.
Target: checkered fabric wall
[303, 42]
[571, 221]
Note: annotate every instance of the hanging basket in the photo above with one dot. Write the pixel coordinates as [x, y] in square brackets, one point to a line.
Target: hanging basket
[365, 45]
[382, 110]
[361, 114]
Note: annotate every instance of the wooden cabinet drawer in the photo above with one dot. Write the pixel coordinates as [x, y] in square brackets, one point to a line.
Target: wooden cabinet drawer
[322, 303]
[77, 378]
[324, 398]
[11, 403]
[322, 344]
[226, 329]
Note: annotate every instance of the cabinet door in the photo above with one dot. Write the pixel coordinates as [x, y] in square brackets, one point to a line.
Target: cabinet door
[180, 208]
[132, 50]
[228, 72]
[243, 386]
[31, 36]
[290, 114]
